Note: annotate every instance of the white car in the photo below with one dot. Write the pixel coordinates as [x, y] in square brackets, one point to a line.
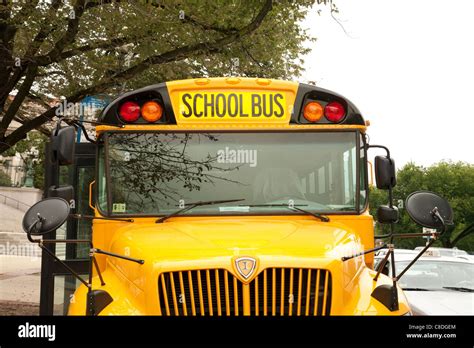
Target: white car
[435, 284]
[445, 251]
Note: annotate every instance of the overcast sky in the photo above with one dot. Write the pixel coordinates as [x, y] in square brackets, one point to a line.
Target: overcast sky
[408, 66]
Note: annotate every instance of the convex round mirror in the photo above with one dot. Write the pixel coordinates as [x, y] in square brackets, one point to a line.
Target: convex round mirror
[420, 205]
[46, 216]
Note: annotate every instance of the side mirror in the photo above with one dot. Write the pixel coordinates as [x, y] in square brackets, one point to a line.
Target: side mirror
[387, 215]
[424, 206]
[385, 176]
[63, 144]
[45, 216]
[64, 192]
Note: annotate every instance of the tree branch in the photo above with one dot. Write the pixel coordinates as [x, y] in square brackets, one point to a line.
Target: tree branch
[70, 35]
[42, 34]
[45, 60]
[183, 52]
[468, 230]
[20, 96]
[173, 55]
[23, 119]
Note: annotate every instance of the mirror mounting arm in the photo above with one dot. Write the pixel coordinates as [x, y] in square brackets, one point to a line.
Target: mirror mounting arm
[397, 278]
[90, 217]
[77, 276]
[380, 147]
[108, 253]
[368, 251]
[384, 261]
[435, 213]
[390, 191]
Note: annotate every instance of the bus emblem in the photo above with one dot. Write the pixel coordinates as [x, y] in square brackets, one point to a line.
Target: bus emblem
[245, 266]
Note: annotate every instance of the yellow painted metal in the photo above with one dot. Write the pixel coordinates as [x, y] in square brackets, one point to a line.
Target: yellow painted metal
[326, 280]
[244, 88]
[226, 127]
[199, 243]
[316, 292]
[209, 293]
[90, 194]
[218, 293]
[191, 291]
[167, 306]
[265, 296]
[282, 295]
[246, 300]
[300, 286]
[308, 292]
[182, 296]
[173, 293]
[226, 287]
[298, 241]
[201, 300]
[291, 296]
[274, 291]
[236, 296]
[256, 297]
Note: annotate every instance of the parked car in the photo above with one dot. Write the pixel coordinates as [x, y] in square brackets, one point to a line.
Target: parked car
[435, 284]
[445, 251]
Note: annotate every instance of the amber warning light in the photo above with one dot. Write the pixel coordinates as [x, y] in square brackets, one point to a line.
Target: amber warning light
[150, 111]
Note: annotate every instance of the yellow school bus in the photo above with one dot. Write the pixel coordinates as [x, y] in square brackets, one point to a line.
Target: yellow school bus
[238, 196]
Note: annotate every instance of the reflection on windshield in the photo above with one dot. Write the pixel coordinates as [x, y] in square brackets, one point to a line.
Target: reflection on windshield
[437, 275]
[158, 173]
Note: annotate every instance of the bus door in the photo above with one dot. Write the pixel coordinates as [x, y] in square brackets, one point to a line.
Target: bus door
[57, 284]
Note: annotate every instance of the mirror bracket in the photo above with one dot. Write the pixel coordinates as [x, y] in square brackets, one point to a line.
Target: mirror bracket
[57, 210]
[387, 295]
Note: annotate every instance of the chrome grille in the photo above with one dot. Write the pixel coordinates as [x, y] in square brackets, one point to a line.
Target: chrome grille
[275, 291]
[291, 291]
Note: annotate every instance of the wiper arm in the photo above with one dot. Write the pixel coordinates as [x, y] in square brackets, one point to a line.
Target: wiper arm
[458, 288]
[415, 289]
[196, 204]
[294, 207]
[316, 215]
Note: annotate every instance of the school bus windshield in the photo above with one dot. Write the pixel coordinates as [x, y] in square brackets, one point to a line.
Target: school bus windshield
[156, 173]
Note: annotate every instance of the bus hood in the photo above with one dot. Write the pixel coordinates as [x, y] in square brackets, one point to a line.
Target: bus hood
[198, 238]
[199, 243]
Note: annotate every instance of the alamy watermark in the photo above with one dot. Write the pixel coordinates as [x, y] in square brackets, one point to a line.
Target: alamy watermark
[28, 330]
[237, 156]
[10, 249]
[66, 108]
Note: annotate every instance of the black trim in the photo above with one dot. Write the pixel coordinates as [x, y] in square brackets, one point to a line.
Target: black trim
[107, 175]
[47, 263]
[158, 92]
[107, 171]
[50, 267]
[323, 96]
[84, 157]
[386, 294]
[97, 300]
[366, 171]
[80, 266]
[357, 158]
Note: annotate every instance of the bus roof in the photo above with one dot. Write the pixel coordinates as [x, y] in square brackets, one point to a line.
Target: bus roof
[233, 100]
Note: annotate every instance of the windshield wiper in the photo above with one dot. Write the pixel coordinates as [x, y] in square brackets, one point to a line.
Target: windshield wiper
[190, 206]
[415, 289]
[458, 288]
[294, 207]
